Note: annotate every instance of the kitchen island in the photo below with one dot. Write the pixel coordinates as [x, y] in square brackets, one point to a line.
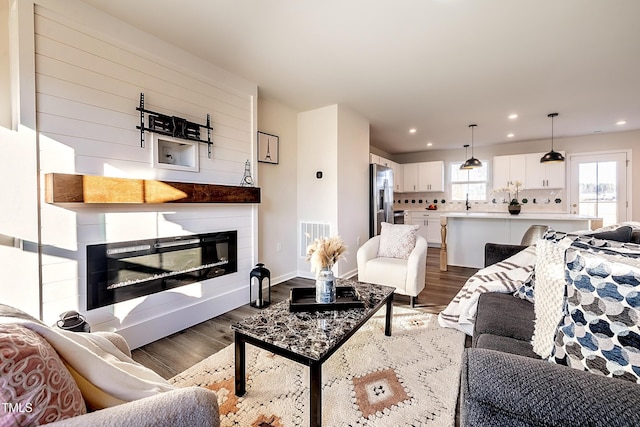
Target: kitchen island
[465, 234]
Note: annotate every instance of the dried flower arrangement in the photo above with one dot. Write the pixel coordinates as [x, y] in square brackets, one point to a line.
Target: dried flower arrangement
[323, 253]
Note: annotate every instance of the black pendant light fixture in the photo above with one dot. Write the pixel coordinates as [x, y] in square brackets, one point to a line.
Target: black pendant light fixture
[463, 165]
[552, 156]
[471, 162]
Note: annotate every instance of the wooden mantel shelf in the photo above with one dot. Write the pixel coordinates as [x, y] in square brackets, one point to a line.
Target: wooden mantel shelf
[68, 188]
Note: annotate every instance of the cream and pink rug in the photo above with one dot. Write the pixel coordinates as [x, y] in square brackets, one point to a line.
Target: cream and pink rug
[408, 379]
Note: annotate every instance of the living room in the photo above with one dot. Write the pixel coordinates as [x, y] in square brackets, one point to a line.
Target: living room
[73, 85]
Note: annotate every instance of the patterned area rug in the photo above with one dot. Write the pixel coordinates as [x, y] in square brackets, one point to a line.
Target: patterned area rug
[408, 379]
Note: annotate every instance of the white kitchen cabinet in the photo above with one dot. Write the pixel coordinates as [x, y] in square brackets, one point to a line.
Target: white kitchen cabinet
[410, 177]
[424, 176]
[398, 177]
[429, 226]
[374, 159]
[509, 169]
[431, 176]
[543, 175]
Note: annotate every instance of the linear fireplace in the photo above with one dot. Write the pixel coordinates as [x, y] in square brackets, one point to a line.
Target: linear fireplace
[121, 271]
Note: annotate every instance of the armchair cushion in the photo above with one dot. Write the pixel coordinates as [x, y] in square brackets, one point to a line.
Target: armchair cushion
[407, 276]
[397, 240]
[34, 381]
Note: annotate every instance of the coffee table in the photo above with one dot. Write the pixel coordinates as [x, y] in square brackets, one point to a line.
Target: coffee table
[308, 337]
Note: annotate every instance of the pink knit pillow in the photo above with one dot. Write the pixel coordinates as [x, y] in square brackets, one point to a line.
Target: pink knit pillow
[35, 386]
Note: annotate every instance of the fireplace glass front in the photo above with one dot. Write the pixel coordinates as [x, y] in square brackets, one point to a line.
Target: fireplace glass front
[121, 271]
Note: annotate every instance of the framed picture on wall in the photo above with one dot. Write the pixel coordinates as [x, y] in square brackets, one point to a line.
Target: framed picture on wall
[268, 148]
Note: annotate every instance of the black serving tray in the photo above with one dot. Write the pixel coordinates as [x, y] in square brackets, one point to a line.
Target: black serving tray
[304, 299]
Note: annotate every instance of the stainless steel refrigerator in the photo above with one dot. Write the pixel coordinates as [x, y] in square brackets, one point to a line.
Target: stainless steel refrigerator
[381, 197]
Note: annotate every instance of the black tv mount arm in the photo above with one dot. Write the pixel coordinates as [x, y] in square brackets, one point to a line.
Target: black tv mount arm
[173, 126]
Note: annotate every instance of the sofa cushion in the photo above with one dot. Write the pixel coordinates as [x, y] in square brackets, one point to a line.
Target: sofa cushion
[34, 380]
[397, 240]
[620, 234]
[502, 314]
[601, 332]
[506, 345]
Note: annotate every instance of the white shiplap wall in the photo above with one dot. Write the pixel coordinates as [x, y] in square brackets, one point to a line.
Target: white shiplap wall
[87, 88]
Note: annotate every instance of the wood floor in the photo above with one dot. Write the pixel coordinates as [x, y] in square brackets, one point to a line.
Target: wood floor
[171, 355]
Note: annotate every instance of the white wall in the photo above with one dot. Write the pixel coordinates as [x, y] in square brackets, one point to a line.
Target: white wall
[317, 151]
[90, 70]
[278, 209]
[5, 98]
[353, 185]
[335, 141]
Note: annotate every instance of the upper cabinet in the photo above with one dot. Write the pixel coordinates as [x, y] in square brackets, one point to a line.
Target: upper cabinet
[527, 169]
[543, 175]
[410, 177]
[378, 160]
[398, 176]
[431, 176]
[509, 169]
[424, 176]
[397, 169]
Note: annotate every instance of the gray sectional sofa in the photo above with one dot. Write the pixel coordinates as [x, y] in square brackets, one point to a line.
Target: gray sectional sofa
[504, 383]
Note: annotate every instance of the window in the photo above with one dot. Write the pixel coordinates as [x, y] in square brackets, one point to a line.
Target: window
[471, 181]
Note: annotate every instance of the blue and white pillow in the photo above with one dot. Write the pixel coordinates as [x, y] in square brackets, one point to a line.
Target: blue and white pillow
[600, 331]
[526, 290]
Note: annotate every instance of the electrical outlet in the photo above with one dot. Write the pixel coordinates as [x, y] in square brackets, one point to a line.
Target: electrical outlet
[358, 241]
[278, 247]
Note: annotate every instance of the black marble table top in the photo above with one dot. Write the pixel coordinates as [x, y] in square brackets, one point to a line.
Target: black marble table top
[312, 334]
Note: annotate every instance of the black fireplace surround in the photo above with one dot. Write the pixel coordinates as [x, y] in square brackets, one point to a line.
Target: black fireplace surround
[121, 271]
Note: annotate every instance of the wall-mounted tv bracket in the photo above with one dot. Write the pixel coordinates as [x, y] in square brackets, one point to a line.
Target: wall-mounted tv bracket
[172, 126]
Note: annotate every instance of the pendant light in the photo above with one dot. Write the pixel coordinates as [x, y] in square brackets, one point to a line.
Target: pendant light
[464, 166]
[552, 156]
[471, 162]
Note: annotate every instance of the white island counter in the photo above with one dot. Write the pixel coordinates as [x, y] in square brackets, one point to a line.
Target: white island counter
[465, 234]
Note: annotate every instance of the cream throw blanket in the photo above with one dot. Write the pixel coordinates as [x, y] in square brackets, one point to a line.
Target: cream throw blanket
[505, 276]
[105, 375]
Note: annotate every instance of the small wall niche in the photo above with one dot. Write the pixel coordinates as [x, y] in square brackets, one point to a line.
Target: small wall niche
[174, 153]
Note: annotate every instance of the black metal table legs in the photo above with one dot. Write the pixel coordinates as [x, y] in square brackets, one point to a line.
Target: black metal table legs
[240, 364]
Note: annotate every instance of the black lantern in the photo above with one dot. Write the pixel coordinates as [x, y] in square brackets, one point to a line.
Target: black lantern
[264, 295]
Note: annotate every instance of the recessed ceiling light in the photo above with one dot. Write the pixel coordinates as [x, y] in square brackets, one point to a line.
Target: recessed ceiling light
[510, 135]
[621, 122]
[513, 116]
[429, 144]
[412, 130]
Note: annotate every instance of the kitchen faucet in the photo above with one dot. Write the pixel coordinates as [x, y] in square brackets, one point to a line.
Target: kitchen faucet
[467, 205]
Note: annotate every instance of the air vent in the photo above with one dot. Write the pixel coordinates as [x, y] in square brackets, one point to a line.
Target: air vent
[309, 231]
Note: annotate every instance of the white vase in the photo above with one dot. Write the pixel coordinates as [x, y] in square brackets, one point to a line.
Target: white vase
[325, 287]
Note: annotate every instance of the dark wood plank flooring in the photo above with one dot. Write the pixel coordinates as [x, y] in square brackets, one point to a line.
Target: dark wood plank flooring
[173, 354]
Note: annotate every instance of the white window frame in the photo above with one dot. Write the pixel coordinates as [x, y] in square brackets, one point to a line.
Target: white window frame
[456, 165]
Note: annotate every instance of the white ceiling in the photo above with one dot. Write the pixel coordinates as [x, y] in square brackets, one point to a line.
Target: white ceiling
[435, 65]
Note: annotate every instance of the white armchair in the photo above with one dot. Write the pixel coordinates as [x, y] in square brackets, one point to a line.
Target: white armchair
[406, 275]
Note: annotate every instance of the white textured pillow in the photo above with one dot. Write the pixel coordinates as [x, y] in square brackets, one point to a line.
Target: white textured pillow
[397, 240]
[549, 301]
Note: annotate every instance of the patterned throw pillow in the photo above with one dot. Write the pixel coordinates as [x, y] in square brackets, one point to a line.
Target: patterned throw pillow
[550, 288]
[35, 386]
[600, 332]
[397, 240]
[526, 290]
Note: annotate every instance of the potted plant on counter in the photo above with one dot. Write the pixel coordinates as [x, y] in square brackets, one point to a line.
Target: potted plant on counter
[514, 204]
[512, 191]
